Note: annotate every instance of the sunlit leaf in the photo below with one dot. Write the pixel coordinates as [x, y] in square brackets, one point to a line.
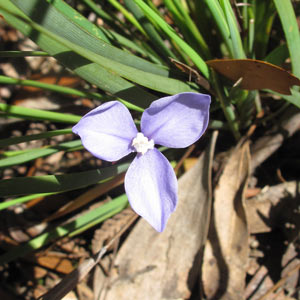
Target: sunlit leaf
[255, 74]
[57, 183]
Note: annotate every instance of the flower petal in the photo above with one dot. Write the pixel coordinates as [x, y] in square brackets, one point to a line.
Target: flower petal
[176, 121]
[107, 131]
[151, 187]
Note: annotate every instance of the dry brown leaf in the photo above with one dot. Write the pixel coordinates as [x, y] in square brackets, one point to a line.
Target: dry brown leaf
[39, 272]
[69, 81]
[109, 228]
[165, 265]
[56, 263]
[72, 279]
[255, 74]
[226, 250]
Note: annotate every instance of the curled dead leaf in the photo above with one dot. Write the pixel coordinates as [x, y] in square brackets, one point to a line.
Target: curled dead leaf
[255, 74]
[226, 250]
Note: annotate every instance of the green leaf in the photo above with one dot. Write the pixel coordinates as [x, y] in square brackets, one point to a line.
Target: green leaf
[67, 26]
[50, 87]
[86, 69]
[264, 13]
[37, 114]
[131, 18]
[294, 98]
[134, 45]
[278, 55]
[32, 137]
[22, 53]
[57, 183]
[188, 27]
[219, 17]
[6, 204]
[154, 36]
[65, 90]
[237, 46]
[32, 154]
[102, 33]
[169, 31]
[153, 81]
[101, 13]
[291, 30]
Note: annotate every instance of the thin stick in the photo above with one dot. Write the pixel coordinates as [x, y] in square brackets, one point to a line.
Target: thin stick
[185, 155]
[280, 282]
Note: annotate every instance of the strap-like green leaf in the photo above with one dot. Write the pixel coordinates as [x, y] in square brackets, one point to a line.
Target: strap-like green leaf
[32, 137]
[168, 30]
[154, 36]
[220, 19]
[32, 154]
[6, 204]
[237, 46]
[291, 30]
[57, 183]
[37, 114]
[153, 81]
[86, 69]
[67, 27]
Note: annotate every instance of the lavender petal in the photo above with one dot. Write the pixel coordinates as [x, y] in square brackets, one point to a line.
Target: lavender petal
[151, 187]
[176, 121]
[107, 131]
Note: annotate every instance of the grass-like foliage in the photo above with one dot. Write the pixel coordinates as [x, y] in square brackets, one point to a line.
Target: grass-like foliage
[131, 57]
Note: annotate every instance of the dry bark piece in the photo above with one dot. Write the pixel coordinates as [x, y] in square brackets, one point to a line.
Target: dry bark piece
[255, 281]
[289, 262]
[270, 142]
[84, 292]
[164, 265]
[101, 277]
[226, 250]
[70, 296]
[259, 286]
[264, 209]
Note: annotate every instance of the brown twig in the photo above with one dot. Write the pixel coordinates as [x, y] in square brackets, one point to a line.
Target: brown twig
[185, 156]
[280, 282]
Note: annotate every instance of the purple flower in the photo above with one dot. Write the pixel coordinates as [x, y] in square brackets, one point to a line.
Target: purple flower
[109, 133]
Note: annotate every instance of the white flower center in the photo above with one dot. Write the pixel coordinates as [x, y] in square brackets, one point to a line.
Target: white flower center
[142, 144]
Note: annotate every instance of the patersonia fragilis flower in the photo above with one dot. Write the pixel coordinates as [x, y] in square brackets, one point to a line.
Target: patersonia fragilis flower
[109, 133]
